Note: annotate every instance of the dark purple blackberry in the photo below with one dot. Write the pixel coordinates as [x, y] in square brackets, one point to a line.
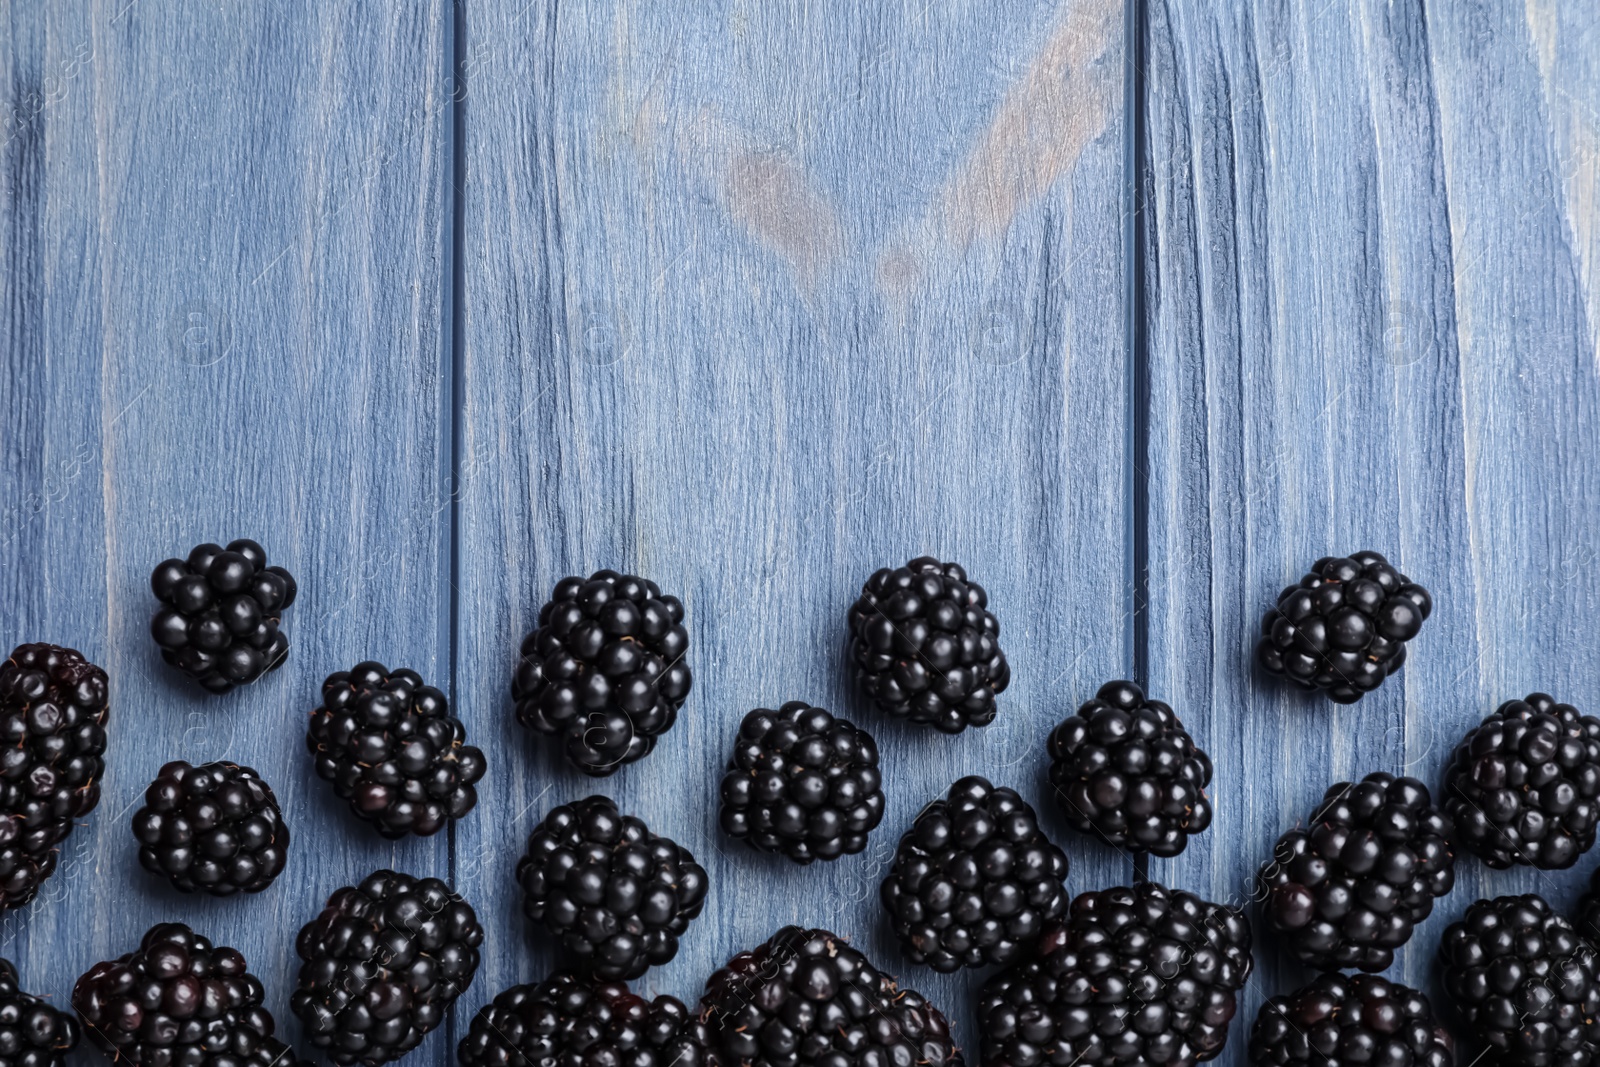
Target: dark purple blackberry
[1524, 982]
[383, 963]
[1344, 627]
[53, 729]
[32, 1033]
[393, 751]
[1347, 889]
[1522, 785]
[570, 1020]
[1123, 767]
[215, 828]
[806, 998]
[802, 783]
[975, 881]
[1340, 1019]
[220, 613]
[926, 648]
[1136, 976]
[604, 669]
[615, 895]
[1588, 921]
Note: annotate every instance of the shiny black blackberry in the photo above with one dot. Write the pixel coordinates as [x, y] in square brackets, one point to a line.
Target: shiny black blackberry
[1347, 889]
[1140, 975]
[604, 669]
[1343, 628]
[926, 648]
[975, 881]
[1522, 786]
[570, 1020]
[215, 828]
[220, 614]
[383, 963]
[615, 895]
[393, 751]
[806, 998]
[53, 732]
[1524, 982]
[1341, 1018]
[1124, 768]
[32, 1032]
[802, 783]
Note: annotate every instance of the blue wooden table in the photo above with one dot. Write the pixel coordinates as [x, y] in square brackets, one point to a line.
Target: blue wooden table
[1134, 310]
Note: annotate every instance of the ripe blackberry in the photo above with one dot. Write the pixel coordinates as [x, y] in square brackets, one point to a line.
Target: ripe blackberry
[617, 896]
[1348, 888]
[215, 828]
[806, 997]
[803, 783]
[1588, 922]
[975, 881]
[1343, 628]
[383, 963]
[392, 750]
[1524, 982]
[220, 614]
[32, 1033]
[1522, 785]
[926, 648]
[53, 729]
[1350, 1019]
[570, 1019]
[1138, 975]
[605, 669]
[1125, 768]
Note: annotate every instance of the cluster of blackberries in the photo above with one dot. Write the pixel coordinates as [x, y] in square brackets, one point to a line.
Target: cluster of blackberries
[222, 608]
[1340, 1019]
[215, 828]
[32, 1033]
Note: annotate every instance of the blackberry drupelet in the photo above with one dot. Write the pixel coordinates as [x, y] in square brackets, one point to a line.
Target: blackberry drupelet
[617, 896]
[1341, 1018]
[1137, 975]
[393, 751]
[926, 648]
[383, 963]
[215, 828]
[605, 669]
[1522, 786]
[1123, 767]
[220, 614]
[570, 1020]
[1343, 628]
[1524, 982]
[802, 783]
[32, 1032]
[1348, 888]
[975, 881]
[806, 998]
[53, 728]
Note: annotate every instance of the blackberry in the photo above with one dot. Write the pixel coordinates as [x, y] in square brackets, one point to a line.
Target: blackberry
[806, 998]
[926, 648]
[215, 828]
[1137, 975]
[32, 1033]
[1343, 1019]
[393, 751]
[975, 881]
[1343, 628]
[803, 783]
[53, 729]
[1125, 768]
[570, 1019]
[1348, 888]
[605, 669]
[1524, 982]
[383, 963]
[617, 896]
[1522, 785]
[1588, 923]
[221, 609]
